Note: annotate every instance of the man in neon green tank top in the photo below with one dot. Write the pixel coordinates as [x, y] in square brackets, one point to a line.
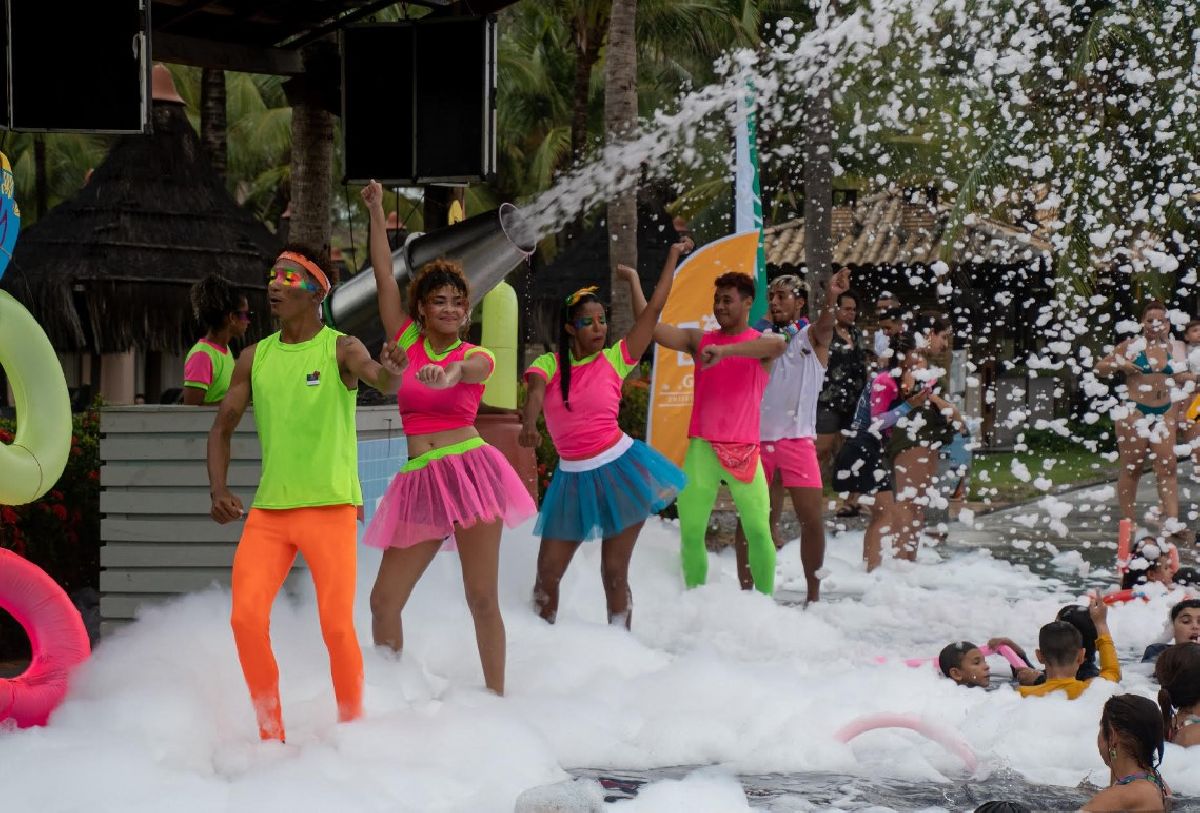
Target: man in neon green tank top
[304, 381]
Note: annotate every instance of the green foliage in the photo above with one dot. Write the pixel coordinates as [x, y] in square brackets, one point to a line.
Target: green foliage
[1048, 442]
[61, 532]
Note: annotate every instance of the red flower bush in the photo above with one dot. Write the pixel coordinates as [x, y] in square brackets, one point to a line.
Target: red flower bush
[61, 531]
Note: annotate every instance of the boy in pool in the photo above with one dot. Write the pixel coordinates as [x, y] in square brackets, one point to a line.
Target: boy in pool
[1185, 627]
[1061, 649]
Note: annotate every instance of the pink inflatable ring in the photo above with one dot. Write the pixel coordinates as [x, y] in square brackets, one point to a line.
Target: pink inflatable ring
[56, 635]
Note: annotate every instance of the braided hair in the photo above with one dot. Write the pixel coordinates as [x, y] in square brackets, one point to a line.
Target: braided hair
[570, 312]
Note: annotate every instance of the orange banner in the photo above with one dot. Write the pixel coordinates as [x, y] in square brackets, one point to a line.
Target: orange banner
[690, 305]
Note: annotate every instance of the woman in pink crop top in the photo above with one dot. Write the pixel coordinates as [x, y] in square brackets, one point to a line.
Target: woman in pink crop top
[455, 489]
[606, 483]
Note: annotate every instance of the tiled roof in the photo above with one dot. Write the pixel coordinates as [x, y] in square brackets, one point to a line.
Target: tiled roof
[892, 229]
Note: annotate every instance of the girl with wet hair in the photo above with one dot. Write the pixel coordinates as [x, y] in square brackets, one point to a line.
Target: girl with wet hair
[1130, 742]
[455, 491]
[1178, 673]
[224, 313]
[607, 484]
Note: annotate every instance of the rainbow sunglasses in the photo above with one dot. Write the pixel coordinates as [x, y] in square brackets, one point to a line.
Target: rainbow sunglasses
[292, 278]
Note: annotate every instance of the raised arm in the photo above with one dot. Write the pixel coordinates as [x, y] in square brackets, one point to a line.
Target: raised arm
[647, 314]
[391, 305]
[682, 339]
[226, 506]
[820, 335]
[637, 299]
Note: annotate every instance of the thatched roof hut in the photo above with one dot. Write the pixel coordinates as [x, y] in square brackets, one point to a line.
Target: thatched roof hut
[109, 270]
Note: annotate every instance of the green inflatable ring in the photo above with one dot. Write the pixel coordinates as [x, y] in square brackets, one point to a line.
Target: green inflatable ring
[35, 459]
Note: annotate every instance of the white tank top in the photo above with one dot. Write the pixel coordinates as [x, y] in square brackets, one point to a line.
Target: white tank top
[789, 404]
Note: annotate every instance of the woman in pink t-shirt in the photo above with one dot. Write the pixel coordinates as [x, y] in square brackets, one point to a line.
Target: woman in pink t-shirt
[606, 483]
[455, 490]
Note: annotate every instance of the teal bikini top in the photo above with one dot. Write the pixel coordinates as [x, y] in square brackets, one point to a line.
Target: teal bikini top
[1149, 776]
[1143, 364]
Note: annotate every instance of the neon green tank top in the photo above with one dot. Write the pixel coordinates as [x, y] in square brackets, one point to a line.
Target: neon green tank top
[305, 418]
[221, 361]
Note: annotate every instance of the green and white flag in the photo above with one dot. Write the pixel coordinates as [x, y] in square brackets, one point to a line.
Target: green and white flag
[747, 198]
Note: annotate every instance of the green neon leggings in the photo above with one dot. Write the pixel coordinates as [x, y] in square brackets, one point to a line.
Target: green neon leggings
[753, 501]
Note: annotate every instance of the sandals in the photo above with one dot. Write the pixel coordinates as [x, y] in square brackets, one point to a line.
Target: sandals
[848, 511]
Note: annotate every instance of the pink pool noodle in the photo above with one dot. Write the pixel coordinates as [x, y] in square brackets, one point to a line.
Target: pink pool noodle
[942, 736]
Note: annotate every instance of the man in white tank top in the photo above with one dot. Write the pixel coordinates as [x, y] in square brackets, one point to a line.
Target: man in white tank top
[788, 423]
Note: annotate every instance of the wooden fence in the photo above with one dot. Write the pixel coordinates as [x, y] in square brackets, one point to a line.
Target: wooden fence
[158, 539]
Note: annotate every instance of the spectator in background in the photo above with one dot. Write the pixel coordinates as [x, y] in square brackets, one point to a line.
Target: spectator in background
[845, 377]
[889, 318]
[225, 314]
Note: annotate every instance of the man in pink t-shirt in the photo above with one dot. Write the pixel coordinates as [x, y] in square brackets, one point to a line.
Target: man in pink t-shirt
[732, 370]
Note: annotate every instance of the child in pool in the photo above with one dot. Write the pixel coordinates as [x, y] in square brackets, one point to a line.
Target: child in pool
[964, 663]
[1185, 627]
[1149, 561]
[1130, 742]
[1061, 650]
[1178, 672]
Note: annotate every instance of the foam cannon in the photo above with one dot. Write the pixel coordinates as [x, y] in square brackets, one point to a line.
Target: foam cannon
[488, 246]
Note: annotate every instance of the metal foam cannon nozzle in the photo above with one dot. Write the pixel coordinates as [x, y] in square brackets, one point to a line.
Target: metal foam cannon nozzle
[488, 246]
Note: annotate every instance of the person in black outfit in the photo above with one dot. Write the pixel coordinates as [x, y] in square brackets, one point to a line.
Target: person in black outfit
[845, 378]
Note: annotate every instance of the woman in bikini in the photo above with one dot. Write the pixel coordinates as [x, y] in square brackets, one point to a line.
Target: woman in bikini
[1131, 744]
[1155, 368]
[1178, 672]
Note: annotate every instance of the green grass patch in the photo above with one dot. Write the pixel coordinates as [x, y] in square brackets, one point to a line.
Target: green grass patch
[993, 477]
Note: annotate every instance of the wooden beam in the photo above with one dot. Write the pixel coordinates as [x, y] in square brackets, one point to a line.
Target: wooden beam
[183, 12]
[202, 53]
[349, 17]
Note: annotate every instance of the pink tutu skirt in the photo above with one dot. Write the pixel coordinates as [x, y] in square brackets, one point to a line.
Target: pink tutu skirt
[457, 485]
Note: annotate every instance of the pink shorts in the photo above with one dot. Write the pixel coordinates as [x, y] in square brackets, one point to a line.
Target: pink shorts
[796, 461]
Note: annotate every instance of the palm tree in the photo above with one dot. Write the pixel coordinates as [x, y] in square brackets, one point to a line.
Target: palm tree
[213, 118]
[620, 120]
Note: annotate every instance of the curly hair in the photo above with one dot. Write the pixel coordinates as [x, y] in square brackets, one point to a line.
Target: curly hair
[213, 299]
[432, 275]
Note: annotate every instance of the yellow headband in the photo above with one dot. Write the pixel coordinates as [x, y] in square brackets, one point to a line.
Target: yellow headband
[581, 293]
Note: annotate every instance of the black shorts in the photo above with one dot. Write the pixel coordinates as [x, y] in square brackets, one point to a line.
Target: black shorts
[830, 421]
[860, 467]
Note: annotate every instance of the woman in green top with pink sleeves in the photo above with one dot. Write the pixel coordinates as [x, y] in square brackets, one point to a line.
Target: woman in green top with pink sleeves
[225, 315]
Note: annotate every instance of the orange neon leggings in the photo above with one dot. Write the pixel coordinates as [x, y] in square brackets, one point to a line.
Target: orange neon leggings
[327, 538]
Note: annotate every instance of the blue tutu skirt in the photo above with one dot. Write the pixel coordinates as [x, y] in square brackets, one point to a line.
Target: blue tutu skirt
[582, 506]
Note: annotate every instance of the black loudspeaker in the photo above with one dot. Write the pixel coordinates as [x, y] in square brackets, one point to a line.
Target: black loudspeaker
[78, 66]
[419, 101]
